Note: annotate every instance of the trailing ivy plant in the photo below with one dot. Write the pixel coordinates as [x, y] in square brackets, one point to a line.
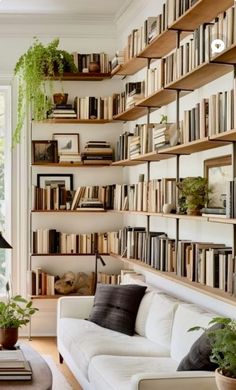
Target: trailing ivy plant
[223, 343]
[34, 69]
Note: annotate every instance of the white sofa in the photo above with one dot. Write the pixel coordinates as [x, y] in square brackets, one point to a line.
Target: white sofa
[102, 359]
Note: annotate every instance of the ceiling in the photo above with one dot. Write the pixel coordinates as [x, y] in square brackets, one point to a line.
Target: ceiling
[111, 8]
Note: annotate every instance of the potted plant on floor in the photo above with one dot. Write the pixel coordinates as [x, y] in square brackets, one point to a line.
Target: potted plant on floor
[14, 313]
[223, 343]
[194, 191]
[34, 68]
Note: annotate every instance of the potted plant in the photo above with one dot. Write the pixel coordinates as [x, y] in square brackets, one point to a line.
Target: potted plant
[194, 191]
[34, 68]
[223, 343]
[14, 313]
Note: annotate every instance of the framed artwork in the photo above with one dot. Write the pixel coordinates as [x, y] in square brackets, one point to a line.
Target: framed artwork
[44, 152]
[67, 143]
[218, 171]
[55, 180]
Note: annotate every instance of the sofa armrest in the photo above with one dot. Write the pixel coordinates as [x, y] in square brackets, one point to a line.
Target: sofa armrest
[74, 307]
[183, 380]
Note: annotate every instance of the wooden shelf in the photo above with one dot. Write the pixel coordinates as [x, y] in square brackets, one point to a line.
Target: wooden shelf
[193, 147]
[228, 56]
[151, 156]
[158, 99]
[131, 114]
[200, 76]
[228, 221]
[69, 211]
[71, 165]
[130, 67]
[127, 163]
[48, 296]
[66, 254]
[202, 12]
[229, 136]
[81, 76]
[74, 120]
[212, 292]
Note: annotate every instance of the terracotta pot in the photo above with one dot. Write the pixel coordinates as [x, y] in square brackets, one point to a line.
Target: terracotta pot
[194, 211]
[60, 98]
[224, 382]
[8, 337]
[94, 67]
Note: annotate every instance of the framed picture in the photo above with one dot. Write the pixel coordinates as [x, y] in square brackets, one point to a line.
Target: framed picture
[67, 143]
[55, 180]
[218, 171]
[44, 152]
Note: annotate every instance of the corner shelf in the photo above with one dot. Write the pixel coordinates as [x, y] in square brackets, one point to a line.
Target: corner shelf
[206, 290]
[74, 121]
[81, 76]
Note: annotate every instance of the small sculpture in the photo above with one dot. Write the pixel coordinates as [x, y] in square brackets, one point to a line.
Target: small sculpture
[70, 282]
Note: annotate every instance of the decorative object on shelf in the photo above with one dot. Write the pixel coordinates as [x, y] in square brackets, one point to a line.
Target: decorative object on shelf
[60, 98]
[223, 353]
[44, 152]
[15, 312]
[33, 69]
[68, 143]
[218, 172]
[94, 67]
[80, 283]
[55, 180]
[168, 208]
[195, 190]
[164, 119]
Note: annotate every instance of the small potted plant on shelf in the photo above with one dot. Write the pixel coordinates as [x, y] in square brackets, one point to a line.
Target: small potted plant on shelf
[34, 68]
[223, 353]
[15, 312]
[194, 193]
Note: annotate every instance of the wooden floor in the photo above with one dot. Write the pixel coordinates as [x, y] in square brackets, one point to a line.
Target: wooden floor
[47, 346]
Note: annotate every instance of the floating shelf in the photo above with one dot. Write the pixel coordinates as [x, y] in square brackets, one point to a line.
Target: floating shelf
[66, 254]
[158, 99]
[212, 292]
[203, 74]
[129, 68]
[69, 211]
[126, 163]
[81, 76]
[196, 146]
[229, 136]
[74, 120]
[131, 114]
[228, 56]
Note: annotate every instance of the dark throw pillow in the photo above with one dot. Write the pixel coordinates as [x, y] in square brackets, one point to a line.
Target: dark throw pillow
[198, 358]
[115, 307]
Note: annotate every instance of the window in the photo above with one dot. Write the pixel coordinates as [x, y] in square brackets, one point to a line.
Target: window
[5, 181]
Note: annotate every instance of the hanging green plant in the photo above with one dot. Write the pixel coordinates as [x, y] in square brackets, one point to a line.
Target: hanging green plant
[34, 69]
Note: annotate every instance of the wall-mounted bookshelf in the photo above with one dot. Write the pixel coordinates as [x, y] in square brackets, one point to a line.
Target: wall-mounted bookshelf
[80, 76]
[131, 114]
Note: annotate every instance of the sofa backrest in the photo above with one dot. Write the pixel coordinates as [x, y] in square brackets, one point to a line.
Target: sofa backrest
[187, 316]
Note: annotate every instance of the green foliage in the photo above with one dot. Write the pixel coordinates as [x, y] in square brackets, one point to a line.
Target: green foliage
[164, 119]
[223, 342]
[15, 311]
[34, 68]
[195, 191]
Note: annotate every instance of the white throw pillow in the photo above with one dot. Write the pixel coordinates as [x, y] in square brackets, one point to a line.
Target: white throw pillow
[186, 317]
[144, 307]
[160, 319]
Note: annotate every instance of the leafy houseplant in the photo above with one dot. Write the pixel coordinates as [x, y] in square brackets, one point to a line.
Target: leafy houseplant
[194, 193]
[223, 343]
[14, 313]
[34, 68]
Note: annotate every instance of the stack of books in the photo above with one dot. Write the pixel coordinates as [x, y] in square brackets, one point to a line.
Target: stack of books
[97, 152]
[14, 366]
[92, 204]
[82, 61]
[70, 158]
[134, 93]
[63, 111]
[91, 107]
[118, 59]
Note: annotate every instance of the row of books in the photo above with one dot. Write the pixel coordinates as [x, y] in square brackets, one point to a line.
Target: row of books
[82, 61]
[145, 196]
[63, 111]
[91, 107]
[84, 198]
[200, 49]
[153, 26]
[154, 79]
[206, 263]
[40, 282]
[118, 59]
[144, 139]
[97, 152]
[50, 241]
[211, 116]
[134, 92]
[14, 366]
[105, 278]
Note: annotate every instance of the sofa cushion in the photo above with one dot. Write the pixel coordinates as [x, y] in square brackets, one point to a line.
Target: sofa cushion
[84, 339]
[160, 319]
[142, 315]
[116, 307]
[198, 357]
[115, 372]
[186, 317]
